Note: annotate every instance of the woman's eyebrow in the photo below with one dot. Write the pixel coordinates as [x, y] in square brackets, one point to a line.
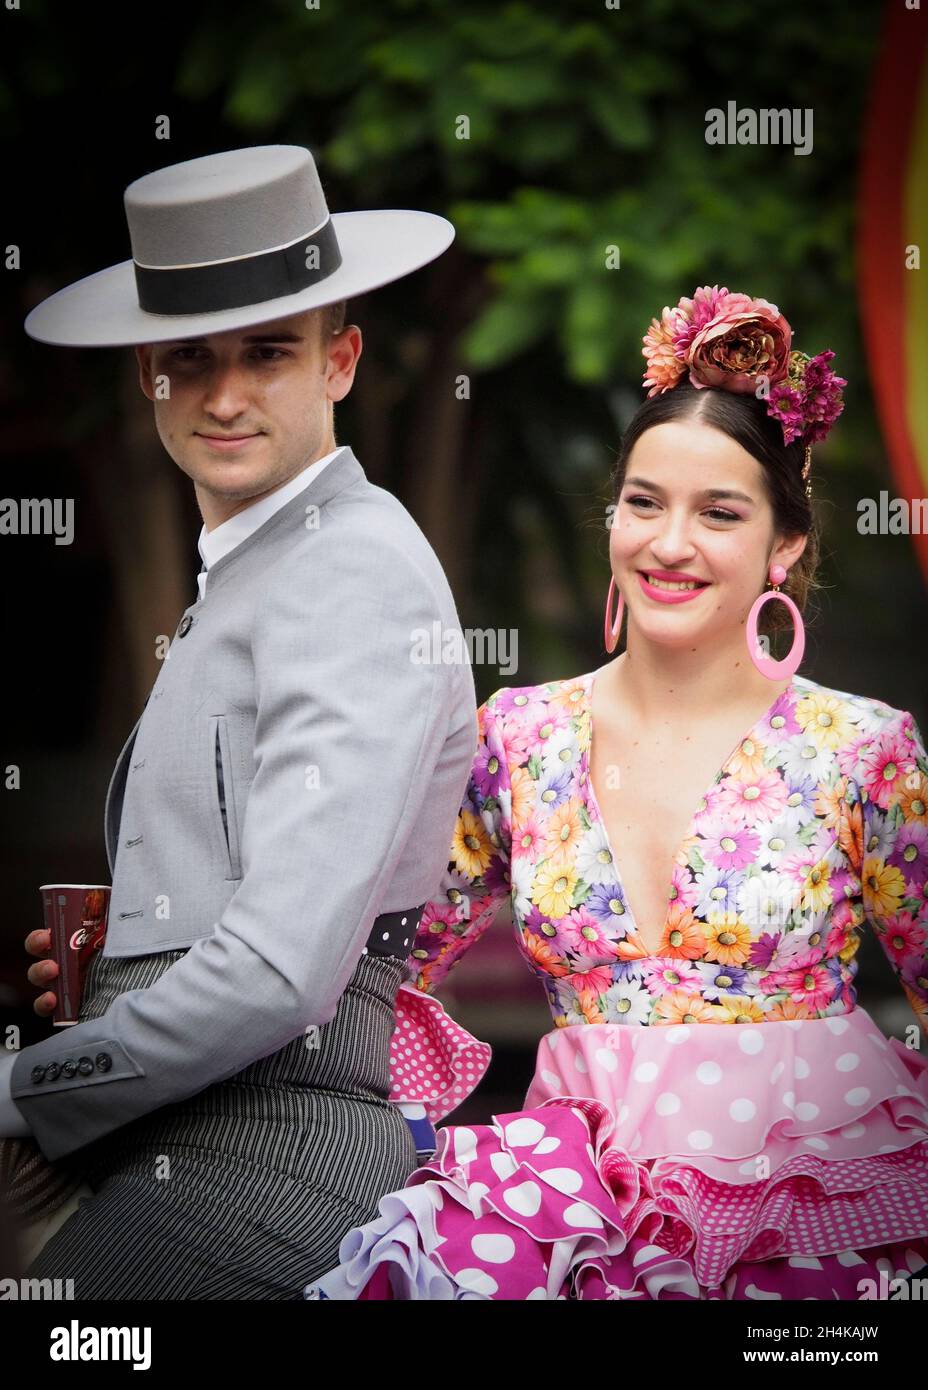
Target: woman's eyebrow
[715, 493]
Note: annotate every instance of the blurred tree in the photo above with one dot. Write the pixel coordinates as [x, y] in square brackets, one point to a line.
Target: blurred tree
[567, 144]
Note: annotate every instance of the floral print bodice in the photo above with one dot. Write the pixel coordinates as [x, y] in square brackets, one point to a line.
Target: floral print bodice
[816, 823]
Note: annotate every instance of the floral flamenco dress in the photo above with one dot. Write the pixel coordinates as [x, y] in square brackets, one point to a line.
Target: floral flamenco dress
[721, 1120]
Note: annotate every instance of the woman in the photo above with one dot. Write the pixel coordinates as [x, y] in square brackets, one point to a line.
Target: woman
[713, 1115]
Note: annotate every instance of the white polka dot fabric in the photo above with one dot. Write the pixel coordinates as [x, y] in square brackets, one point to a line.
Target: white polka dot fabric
[782, 1160]
[434, 1062]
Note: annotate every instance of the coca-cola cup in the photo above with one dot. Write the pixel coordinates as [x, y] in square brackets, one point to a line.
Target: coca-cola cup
[75, 915]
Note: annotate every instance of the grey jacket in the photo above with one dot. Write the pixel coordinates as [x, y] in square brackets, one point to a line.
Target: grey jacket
[297, 770]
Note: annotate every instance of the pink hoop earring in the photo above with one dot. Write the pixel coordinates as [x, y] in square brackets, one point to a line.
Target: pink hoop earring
[612, 629]
[776, 670]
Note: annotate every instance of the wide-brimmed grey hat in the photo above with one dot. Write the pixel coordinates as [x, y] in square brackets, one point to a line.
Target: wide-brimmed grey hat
[234, 239]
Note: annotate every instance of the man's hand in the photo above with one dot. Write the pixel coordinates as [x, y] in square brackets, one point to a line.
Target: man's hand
[39, 943]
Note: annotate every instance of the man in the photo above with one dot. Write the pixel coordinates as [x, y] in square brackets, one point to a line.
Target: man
[289, 792]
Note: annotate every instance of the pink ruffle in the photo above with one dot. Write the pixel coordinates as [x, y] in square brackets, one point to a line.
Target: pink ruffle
[434, 1062]
[804, 1147]
[541, 1203]
[714, 1093]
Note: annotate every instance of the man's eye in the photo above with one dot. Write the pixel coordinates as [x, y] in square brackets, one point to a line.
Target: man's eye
[190, 354]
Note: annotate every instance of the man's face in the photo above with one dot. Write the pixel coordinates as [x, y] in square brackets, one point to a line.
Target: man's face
[244, 411]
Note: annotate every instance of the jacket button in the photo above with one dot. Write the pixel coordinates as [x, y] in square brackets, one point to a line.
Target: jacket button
[85, 1066]
[68, 1068]
[104, 1061]
[37, 1075]
[185, 625]
[51, 1071]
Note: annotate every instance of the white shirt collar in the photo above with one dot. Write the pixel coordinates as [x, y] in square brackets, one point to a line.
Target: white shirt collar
[212, 545]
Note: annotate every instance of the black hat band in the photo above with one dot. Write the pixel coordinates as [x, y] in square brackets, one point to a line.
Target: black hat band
[204, 289]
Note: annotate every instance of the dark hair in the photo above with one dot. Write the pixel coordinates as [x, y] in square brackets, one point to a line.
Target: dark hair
[743, 417]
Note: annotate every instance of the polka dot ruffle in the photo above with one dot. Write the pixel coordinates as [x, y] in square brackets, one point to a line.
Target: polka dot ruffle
[434, 1062]
[778, 1160]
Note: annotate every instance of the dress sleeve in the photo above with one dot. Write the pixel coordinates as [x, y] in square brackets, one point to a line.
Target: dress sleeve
[434, 1062]
[892, 778]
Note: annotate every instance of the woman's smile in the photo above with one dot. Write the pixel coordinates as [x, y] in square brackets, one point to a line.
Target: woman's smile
[668, 586]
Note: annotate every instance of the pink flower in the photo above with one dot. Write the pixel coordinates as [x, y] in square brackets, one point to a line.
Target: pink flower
[812, 986]
[823, 403]
[849, 754]
[886, 765]
[662, 974]
[903, 937]
[809, 401]
[526, 700]
[435, 913]
[585, 934]
[746, 338]
[840, 921]
[797, 865]
[728, 340]
[529, 838]
[594, 981]
[785, 404]
[516, 739]
[550, 723]
[706, 305]
[762, 798]
[728, 846]
[683, 888]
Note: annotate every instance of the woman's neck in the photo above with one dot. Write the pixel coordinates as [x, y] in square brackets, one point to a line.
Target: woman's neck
[657, 684]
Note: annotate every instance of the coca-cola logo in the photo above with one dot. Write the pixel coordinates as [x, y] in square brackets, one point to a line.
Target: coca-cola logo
[79, 939]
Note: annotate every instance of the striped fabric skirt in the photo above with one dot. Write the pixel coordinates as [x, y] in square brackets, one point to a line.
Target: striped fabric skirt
[245, 1190]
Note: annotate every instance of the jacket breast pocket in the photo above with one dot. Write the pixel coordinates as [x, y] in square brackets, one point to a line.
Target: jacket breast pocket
[224, 793]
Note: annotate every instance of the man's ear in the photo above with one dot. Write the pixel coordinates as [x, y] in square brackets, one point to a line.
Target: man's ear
[341, 361]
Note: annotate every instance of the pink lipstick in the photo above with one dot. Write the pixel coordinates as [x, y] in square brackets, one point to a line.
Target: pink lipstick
[669, 585]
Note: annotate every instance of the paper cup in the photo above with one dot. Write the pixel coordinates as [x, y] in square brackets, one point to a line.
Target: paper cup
[76, 916]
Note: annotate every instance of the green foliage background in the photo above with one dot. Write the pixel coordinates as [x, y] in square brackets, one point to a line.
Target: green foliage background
[586, 130]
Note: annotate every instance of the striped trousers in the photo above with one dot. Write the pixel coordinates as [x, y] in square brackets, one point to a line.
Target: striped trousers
[245, 1190]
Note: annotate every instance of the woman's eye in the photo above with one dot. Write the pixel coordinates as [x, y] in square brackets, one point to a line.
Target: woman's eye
[717, 513]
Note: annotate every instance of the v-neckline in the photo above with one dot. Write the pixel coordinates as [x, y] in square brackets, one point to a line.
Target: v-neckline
[589, 683]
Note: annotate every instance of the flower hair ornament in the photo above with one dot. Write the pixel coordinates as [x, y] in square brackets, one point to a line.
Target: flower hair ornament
[736, 343]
